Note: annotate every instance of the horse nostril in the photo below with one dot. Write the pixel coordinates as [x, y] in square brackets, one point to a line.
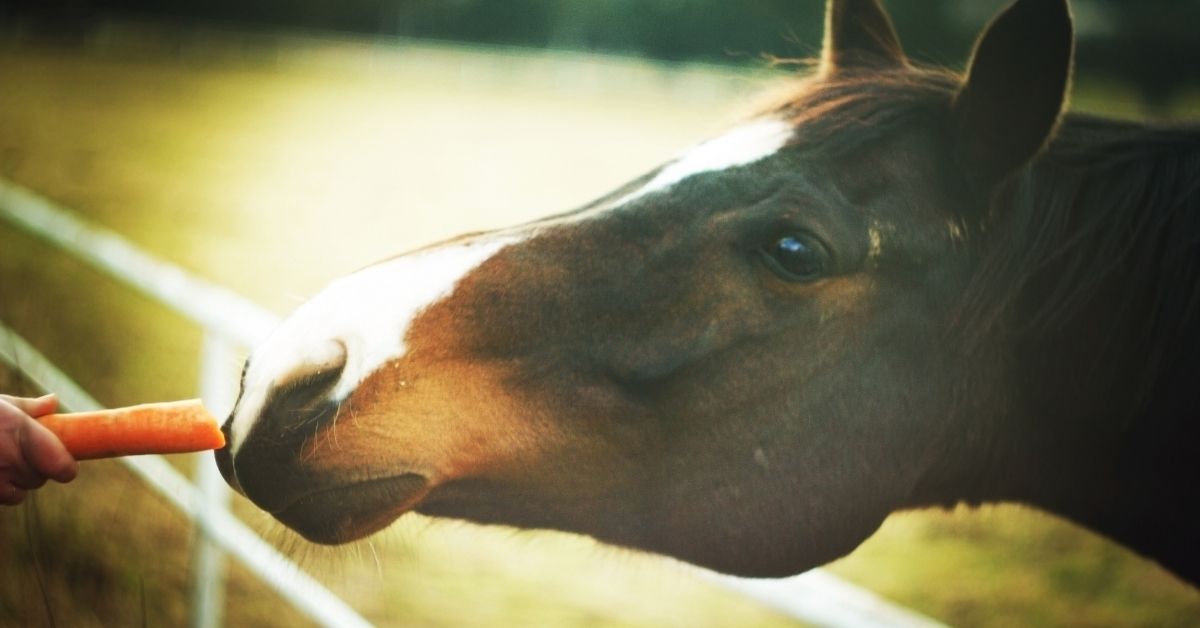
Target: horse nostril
[274, 417]
[305, 391]
[304, 397]
[312, 382]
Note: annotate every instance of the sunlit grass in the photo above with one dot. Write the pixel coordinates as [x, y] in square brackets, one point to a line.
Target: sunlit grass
[273, 173]
[998, 564]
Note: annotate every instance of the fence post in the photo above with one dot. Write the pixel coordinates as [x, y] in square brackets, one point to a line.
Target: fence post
[217, 389]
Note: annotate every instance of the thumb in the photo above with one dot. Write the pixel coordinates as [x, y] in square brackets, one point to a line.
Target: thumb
[33, 406]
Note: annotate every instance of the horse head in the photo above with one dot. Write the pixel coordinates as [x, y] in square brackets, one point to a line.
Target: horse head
[745, 359]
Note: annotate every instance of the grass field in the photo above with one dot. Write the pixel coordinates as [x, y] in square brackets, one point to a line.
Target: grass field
[272, 165]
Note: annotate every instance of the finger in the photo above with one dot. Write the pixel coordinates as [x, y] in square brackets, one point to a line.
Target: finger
[11, 495]
[28, 481]
[45, 453]
[16, 470]
[33, 406]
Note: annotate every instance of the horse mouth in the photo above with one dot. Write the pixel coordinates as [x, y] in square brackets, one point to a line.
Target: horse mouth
[348, 512]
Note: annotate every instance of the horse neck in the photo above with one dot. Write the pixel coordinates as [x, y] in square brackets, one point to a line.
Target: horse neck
[1102, 422]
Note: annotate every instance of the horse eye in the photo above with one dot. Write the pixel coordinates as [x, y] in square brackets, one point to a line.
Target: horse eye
[797, 257]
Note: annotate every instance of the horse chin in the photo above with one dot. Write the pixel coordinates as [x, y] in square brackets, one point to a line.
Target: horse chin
[348, 512]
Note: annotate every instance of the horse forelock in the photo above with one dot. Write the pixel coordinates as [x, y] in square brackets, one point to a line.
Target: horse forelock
[843, 112]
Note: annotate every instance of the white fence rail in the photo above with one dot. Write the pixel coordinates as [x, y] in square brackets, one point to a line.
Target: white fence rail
[214, 522]
[231, 321]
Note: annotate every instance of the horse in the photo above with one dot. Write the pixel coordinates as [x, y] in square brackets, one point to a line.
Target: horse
[897, 287]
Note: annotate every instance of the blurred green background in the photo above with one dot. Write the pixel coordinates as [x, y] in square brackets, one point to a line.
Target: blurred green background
[273, 146]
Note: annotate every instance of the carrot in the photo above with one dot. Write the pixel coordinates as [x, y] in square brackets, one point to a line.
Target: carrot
[152, 428]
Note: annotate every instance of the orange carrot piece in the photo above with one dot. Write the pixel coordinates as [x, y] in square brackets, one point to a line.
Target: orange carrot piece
[152, 428]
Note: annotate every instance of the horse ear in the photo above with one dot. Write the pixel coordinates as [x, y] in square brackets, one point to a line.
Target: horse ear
[859, 33]
[1015, 90]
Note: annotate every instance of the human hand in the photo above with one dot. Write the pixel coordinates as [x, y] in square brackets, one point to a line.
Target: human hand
[29, 453]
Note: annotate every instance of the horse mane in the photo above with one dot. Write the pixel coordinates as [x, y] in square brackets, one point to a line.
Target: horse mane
[1106, 201]
[1107, 196]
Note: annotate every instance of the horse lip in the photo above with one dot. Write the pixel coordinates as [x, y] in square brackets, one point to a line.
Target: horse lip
[347, 511]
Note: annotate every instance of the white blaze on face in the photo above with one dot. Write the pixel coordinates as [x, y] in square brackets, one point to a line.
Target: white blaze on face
[739, 147]
[368, 312]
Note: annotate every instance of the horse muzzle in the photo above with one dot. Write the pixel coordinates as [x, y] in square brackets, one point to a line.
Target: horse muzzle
[327, 506]
[348, 511]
